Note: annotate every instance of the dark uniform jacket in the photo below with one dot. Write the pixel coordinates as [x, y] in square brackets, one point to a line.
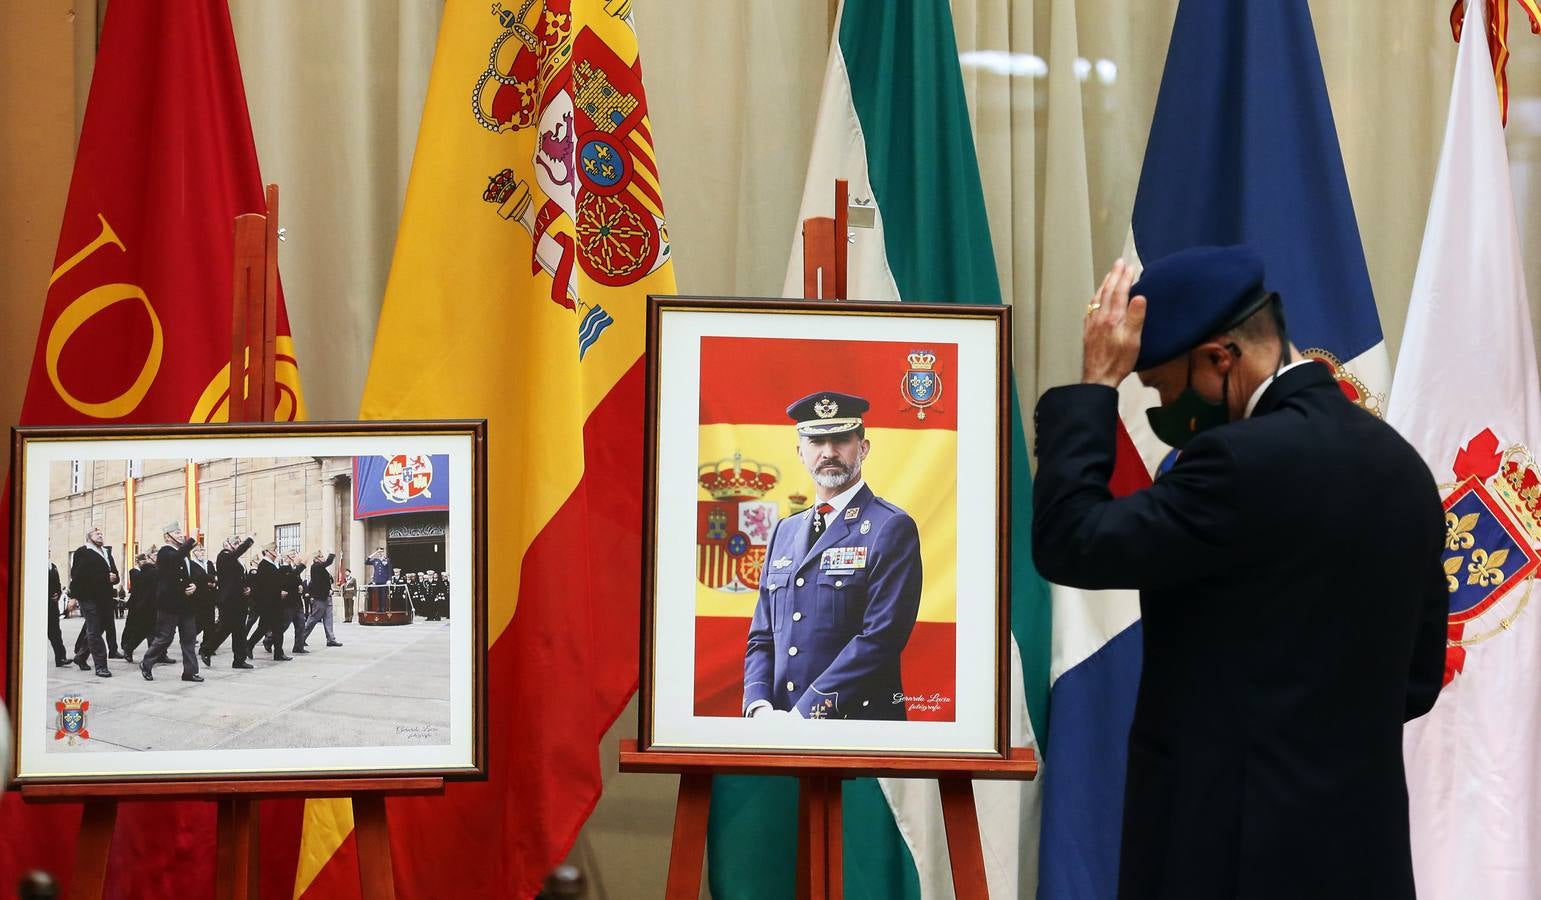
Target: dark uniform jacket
[231, 575]
[380, 570]
[88, 577]
[142, 586]
[290, 581]
[203, 576]
[172, 578]
[55, 588]
[267, 584]
[1294, 611]
[826, 635]
[321, 579]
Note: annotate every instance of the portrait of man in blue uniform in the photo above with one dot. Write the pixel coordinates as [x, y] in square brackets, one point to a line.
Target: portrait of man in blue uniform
[840, 589]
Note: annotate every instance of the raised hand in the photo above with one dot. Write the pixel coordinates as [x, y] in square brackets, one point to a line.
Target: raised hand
[1110, 337]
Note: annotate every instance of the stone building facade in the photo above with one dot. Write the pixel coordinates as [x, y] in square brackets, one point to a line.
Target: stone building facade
[303, 504]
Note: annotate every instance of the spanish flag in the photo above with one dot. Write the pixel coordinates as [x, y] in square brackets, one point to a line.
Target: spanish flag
[750, 476]
[135, 329]
[532, 234]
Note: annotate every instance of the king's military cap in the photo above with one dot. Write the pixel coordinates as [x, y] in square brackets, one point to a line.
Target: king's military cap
[1196, 294]
[827, 412]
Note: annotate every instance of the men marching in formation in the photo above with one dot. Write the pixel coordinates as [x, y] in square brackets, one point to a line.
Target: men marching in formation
[177, 594]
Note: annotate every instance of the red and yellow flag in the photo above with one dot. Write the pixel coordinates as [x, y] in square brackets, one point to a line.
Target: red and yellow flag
[913, 463]
[533, 232]
[135, 329]
[1498, 41]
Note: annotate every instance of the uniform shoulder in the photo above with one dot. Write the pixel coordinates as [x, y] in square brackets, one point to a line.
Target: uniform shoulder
[888, 507]
[886, 514]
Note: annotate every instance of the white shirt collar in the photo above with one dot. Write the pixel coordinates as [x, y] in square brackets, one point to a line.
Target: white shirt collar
[100, 551]
[1258, 394]
[839, 501]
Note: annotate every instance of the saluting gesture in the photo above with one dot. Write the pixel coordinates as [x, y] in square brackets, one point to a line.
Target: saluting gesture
[1110, 338]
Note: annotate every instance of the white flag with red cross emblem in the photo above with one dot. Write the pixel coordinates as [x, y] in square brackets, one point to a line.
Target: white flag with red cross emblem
[1466, 395]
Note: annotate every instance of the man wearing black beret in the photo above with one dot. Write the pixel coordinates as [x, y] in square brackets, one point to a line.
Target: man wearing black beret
[1292, 598]
[840, 588]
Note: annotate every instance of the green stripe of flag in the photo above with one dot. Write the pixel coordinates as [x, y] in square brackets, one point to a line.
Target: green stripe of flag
[907, 90]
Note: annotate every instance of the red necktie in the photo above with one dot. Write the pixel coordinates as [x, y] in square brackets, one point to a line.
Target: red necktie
[823, 510]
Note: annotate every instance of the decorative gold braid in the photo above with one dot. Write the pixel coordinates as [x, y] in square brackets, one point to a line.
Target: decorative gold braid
[1504, 623]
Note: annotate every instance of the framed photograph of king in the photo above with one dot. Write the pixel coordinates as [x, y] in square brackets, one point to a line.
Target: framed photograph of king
[222, 602]
[826, 531]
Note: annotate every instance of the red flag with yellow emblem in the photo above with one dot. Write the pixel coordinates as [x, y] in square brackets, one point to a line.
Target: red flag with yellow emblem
[135, 329]
[136, 325]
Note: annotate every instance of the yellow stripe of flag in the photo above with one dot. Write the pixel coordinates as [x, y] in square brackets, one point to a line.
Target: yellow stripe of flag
[466, 330]
[916, 470]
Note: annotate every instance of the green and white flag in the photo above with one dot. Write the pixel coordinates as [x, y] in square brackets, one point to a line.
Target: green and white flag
[893, 121]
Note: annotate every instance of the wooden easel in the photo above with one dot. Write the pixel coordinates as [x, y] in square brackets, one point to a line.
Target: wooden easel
[820, 858]
[253, 397]
[819, 852]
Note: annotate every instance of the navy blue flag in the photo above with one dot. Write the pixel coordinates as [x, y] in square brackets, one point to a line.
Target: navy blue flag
[1242, 149]
[405, 482]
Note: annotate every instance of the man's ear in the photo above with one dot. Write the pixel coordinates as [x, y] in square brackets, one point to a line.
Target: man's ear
[1219, 355]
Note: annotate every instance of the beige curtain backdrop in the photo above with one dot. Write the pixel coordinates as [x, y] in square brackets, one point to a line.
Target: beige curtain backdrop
[1061, 93]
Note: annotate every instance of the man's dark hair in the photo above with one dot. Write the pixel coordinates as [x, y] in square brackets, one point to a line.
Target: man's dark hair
[1266, 323]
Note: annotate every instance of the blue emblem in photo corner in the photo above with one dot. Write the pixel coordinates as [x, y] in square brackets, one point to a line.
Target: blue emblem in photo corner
[71, 719]
[921, 384]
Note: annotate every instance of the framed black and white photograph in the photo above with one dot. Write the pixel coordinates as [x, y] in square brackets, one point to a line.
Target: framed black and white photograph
[826, 539]
[253, 600]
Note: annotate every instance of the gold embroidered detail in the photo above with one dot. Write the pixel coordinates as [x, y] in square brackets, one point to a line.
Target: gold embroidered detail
[1452, 568]
[1485, 570]
[1352, 386]
[1458, 534]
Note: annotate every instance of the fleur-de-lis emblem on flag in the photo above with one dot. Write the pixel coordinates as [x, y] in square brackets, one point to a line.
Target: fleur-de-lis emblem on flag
[1458, 534]
[1485, 570]
[1453, 568]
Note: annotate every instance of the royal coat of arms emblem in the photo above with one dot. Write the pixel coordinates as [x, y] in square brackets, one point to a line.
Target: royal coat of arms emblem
[406, 476]
[921, 385]
[70, 719]
[733, 528]
[1492, 542]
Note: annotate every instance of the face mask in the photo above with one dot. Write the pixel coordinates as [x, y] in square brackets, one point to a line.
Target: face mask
[1190, 414]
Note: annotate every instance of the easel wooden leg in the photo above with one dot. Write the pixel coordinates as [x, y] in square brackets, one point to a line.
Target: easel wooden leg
[962, 823]
[819, 851]
[377, 881]
[91, 847]
[689, 849]
[235, 855]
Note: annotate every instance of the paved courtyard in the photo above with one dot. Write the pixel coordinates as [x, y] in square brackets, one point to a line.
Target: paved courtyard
[386, 686]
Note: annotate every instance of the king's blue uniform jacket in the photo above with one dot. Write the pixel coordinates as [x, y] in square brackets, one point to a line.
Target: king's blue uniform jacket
[825, 640]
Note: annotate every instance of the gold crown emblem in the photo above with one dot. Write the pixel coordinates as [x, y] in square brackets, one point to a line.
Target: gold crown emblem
[826, 408]
[72, 703]
[1520, 488]
[922, 360]
[737, 478]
